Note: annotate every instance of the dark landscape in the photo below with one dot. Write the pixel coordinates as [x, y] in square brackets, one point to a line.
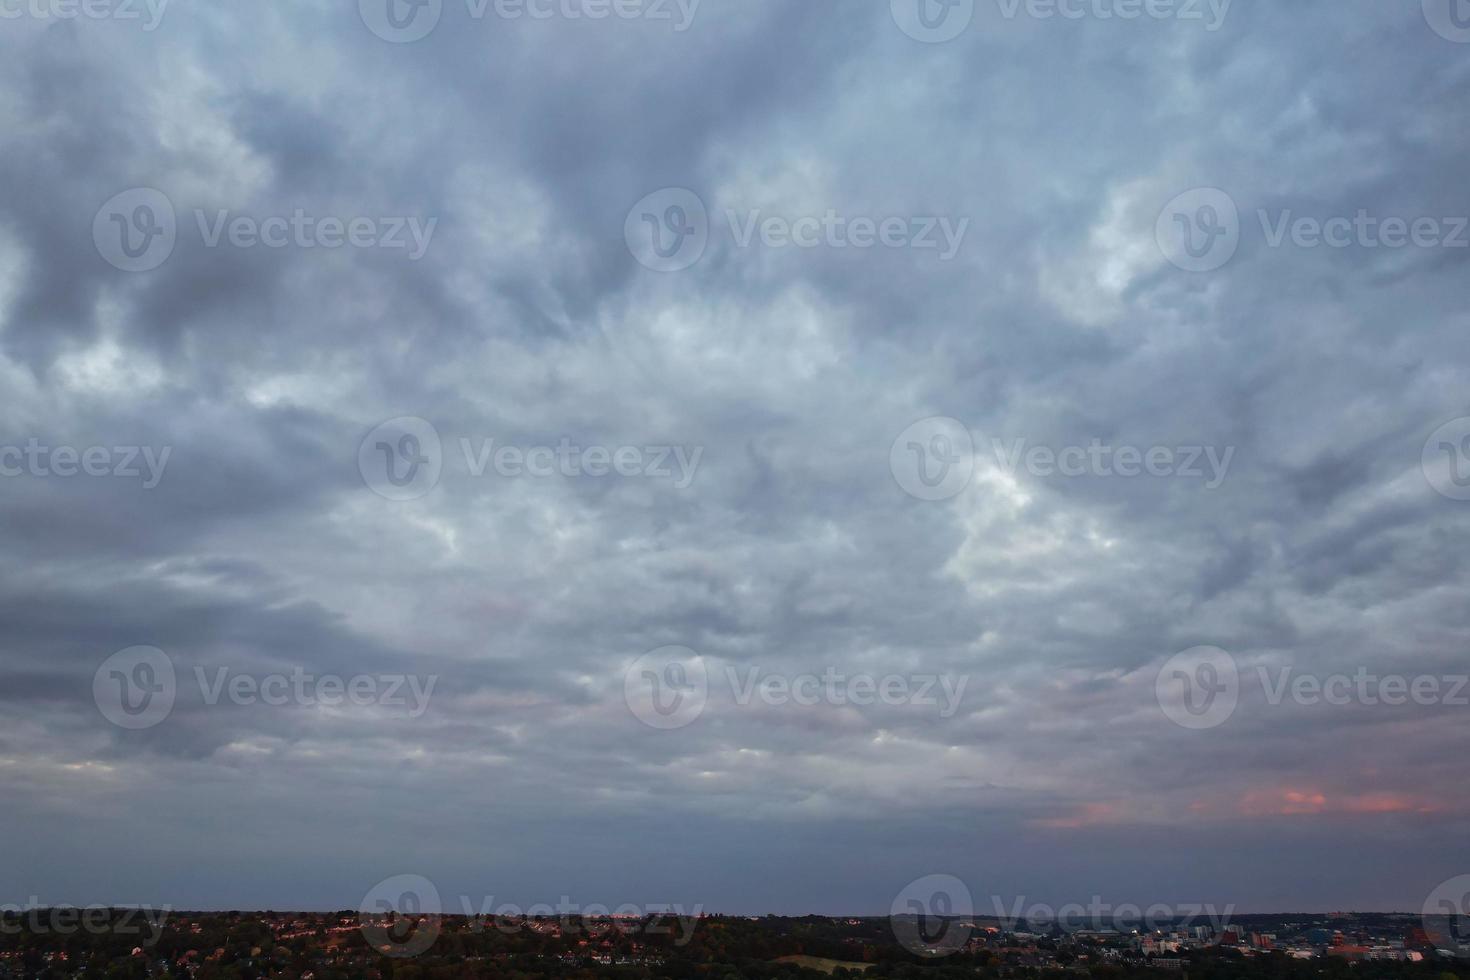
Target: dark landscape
[119, 943]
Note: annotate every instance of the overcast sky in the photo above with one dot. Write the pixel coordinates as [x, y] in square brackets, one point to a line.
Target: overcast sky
[974, 350]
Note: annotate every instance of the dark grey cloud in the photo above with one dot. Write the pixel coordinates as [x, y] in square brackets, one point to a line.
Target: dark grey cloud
[1059, 322]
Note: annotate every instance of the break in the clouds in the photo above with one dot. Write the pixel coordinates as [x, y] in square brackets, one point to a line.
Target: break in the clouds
[752, 453]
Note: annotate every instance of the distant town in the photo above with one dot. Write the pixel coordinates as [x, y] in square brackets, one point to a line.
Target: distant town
[45, 943]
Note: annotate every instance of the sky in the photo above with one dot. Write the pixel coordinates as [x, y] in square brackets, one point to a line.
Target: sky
[749, 453]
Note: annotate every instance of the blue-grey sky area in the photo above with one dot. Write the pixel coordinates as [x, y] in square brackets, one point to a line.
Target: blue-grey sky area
[747, 453]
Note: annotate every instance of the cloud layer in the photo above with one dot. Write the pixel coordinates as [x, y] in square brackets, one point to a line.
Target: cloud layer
[790, 358]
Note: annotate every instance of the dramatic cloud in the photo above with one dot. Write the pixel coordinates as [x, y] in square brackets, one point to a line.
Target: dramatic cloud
[475, 367]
